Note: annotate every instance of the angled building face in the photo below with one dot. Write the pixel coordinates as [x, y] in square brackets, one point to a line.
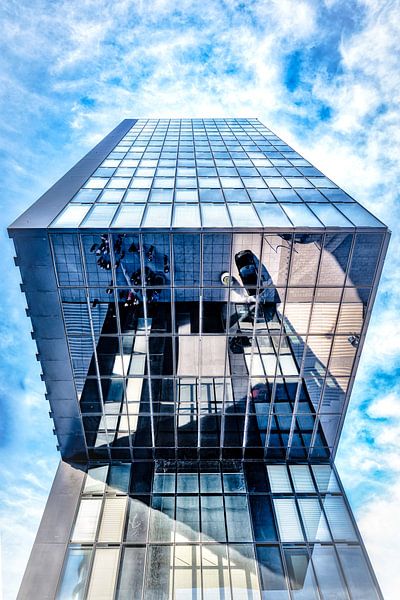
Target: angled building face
[199, 295]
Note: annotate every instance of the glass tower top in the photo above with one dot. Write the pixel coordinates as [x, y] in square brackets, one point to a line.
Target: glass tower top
[209, 173]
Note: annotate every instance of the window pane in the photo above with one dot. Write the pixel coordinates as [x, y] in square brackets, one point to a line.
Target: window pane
[288, 520]
[359, 216]
[186, 215]
[301, 577]
[158, 582]
[273, 581]
[86, 521]
[279, 479]
[243, 572]
[71, 216]
[313, 520]
[339, 519]
[187, 574]
[138, 516]
[164, 483]
[238, 519]
[187, 520]
[215, 572]
[263, 519]
[158, 216]
[162, 519]
[131, 574]
[211, 483]
[234, 482]
[104, 572]
[100, 216]
[129, 216]
[330, 216]
[187, 483]
[212, 518]
[215, 215]
[118, 480]
[95, 480]
[112, 521]
[243, 215]
[325, 478]
[301, 216]
[302, 479]
[329, 578]
[75, 574]
[357, 573]
[272, 215]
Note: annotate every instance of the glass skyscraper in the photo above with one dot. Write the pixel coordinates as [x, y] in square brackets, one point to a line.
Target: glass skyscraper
[199, 295]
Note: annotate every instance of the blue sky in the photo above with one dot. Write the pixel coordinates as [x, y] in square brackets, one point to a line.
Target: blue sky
[324, 75]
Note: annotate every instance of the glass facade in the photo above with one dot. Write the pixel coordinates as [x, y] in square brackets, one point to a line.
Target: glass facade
[214, 529]
[199, 296]
[196, 345]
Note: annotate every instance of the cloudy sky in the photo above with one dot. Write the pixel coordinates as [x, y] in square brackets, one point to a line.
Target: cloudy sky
[324, 75]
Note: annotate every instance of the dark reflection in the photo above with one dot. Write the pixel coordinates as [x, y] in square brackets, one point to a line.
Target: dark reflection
[244, 368]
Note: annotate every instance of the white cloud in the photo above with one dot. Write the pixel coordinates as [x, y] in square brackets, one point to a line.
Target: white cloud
[379, 523]
[386, 407]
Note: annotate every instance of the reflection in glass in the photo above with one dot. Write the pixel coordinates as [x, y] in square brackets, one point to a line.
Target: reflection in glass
[75, 574]
[357, 573]
[243, 572]
[330, 580]
[301, 577]
[273, 583]
[131, 574]
[158, 580]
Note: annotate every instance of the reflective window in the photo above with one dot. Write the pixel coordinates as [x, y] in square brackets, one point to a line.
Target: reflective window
[273, 583]
[329, 578]
[301, 576]
[74, 577]
[104, 574]
[357, 573]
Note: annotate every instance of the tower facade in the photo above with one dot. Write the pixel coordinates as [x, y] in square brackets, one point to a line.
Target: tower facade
[199, 296]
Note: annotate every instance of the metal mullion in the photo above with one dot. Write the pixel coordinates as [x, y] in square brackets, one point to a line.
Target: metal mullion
[119, 337]
[301, 370]
[254, 546]
[371, 300]
[200, 350]
[100, 390]
[147, 339]
[173, 339]
[68, 545]
[309, 546]
[227, 331]
[65, 328]
[282, 328]
[360, 540]
[332, 541]
[147, 542]
[321, 399]
[253, 344]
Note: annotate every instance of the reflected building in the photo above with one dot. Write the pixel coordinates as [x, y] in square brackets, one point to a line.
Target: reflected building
[199, 295]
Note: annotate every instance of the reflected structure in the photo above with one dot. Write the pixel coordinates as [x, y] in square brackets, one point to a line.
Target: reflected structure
[199, 295]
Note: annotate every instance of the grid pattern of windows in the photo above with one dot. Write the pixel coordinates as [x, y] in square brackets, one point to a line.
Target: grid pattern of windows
[222, 345]
[208, 173]
[215, 530]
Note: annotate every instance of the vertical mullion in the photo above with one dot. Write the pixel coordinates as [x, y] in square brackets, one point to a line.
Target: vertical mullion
[301, 371]
[274, 384]
[146, 325]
